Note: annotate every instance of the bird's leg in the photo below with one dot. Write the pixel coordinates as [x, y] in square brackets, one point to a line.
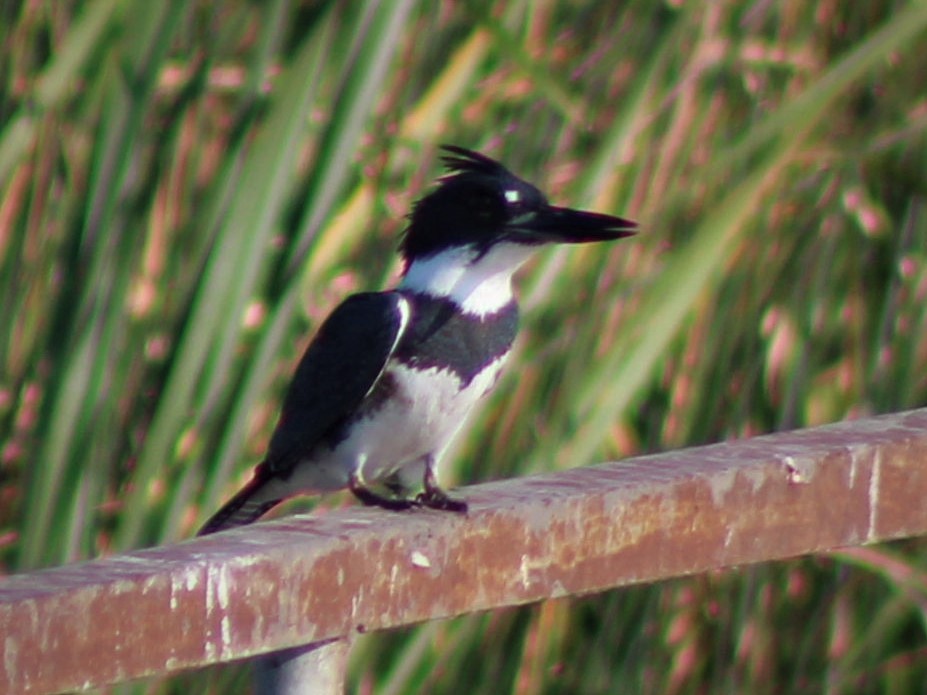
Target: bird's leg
[372, 499]
[434, 497]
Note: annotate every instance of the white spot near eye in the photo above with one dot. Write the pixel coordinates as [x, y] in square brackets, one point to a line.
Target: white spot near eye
[512, 196]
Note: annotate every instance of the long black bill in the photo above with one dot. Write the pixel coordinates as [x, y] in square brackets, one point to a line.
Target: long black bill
[566, 226]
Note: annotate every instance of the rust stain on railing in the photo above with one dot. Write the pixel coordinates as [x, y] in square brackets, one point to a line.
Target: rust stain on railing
[305, 579]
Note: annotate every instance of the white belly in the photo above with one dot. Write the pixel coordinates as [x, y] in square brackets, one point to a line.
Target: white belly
[419, 419]
[427, 410]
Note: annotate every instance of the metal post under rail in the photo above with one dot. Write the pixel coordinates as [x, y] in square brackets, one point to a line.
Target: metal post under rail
[311, 669]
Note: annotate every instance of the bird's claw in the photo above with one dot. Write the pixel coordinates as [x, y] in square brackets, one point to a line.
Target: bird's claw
[436, 498]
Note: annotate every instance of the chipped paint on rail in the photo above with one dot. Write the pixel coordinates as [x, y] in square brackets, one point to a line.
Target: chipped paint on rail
[874, 496]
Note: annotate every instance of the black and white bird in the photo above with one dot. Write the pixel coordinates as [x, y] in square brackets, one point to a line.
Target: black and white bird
[390, 376]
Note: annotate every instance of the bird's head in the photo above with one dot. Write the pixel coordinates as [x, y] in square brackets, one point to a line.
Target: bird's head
[480, 204]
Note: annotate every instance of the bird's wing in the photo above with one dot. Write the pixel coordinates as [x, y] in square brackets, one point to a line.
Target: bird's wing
[339, 368]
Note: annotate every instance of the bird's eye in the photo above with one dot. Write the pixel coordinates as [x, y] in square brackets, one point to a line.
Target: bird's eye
[517, 201]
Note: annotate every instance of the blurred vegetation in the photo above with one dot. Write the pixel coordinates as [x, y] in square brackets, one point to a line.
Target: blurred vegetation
[186, 188]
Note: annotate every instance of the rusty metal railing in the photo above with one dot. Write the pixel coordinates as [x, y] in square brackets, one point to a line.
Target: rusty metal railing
[304, 580]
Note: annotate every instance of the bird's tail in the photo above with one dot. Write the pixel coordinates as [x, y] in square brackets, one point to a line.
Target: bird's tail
[246, 507]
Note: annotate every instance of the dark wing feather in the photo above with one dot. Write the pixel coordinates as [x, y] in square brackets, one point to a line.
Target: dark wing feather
[341, 365]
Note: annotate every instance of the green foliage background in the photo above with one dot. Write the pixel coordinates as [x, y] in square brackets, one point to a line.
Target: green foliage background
[186, 188]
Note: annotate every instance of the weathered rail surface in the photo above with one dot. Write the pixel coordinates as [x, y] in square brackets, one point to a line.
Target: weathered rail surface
[306, 579]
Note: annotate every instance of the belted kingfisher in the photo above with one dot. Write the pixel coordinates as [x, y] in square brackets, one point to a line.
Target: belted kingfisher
[390, 376]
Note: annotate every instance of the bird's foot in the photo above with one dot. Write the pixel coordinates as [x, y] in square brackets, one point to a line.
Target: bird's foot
[371, 499]
[441, 501]
[435, 498]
